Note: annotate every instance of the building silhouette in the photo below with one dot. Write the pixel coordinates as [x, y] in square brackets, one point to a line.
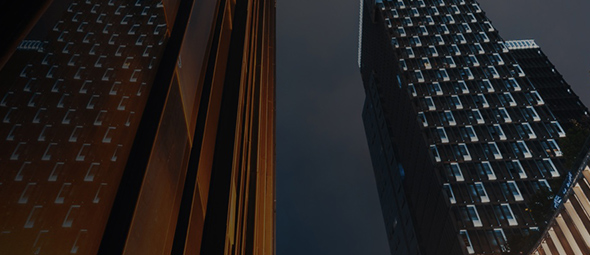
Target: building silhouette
[464, 128]
[138, 127]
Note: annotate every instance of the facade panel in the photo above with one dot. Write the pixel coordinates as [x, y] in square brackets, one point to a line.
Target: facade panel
[470, 127]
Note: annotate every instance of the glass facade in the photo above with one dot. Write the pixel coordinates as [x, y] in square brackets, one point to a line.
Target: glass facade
[132, 126]
[465, 94]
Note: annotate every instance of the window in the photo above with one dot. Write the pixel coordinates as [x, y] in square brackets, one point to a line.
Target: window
[455, 49]
[456, 172]
[557, 127]
[472, 60]
[432, 51]
[466, 28]
[466, 73]
[83, 151]
[73, 60]
[460, 39]
[33, 216]
[422, 119]
[438, 39]
[509, 215]
[429, 20]
[408, 22]
[72, 213]
[429, 103]
[526, 127]
[466, 240]
[123, 103]
[442, 134]
[534, 98]
[471, 133]
[498, 131]
[464, 151]
[442, 74]
[443, 29]
[68, 116]
[517, 70]
[455, 101]
[477, 116]
[554, 147]
[504, 114]
[483, 194]
[488, 26]
[449, 19]
[471, 18]
[435, 89]
[477, 47]
[530, 111]
[75, 134]
[481, 100]
[434, 151]
[495, 58]
[93, 49]
[474, 216]
[449, 118]
[79, 73]
[488, 170]
[401, 32]
[515, 191]
[434, 11]
[92, 172]
[108, 135]
[410, 52]
[493, 72]
[509, 99]
[494, 150]
[449, 192]
[423, 30]
[511, 84]
[425, 62]
[449, 62]
[483, 37]
[418, 75]
[412, 90]
[487, 85]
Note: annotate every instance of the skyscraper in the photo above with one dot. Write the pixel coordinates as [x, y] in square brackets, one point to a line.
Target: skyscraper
[463, 136]
[139, 127]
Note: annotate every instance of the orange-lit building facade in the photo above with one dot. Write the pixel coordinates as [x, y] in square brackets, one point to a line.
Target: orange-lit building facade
[139, 127]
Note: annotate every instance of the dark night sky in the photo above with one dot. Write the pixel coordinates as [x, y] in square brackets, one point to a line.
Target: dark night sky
[326, 196]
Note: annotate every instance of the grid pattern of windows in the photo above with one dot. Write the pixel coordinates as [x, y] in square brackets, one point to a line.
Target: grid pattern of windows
[67, 115]
[490, 132]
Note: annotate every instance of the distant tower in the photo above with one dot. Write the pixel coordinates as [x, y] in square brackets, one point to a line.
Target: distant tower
[139, 127]
[462, 134]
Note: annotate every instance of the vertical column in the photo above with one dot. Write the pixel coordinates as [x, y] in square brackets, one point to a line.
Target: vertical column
[568, 235]
[578, 221]
[546, 249]
[556, 241]
[582, 198]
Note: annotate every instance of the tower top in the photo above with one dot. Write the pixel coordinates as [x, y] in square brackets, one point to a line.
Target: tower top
[522, 44]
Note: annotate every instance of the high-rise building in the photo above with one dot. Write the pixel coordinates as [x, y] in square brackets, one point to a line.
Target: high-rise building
[138, 127]
[463, 128]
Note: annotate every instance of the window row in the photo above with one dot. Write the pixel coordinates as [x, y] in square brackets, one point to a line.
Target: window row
[442, 101]
[496, 132]
[21, 149]
[510, 169]
[484, 116]
[492, 192]
[465, 73]
[427, 63]
[519, 149]
[484, 86]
